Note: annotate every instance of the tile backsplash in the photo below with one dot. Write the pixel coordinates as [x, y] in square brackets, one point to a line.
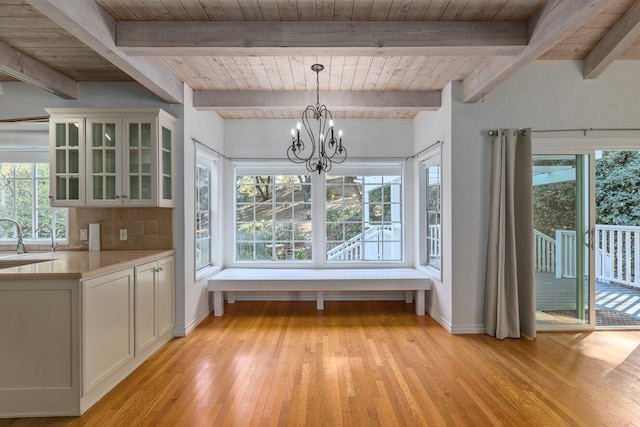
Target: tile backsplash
[147, 228]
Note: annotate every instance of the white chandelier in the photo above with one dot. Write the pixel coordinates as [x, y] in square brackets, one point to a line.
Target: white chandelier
[329, 148]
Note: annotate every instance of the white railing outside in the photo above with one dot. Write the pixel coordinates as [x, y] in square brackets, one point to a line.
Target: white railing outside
[434, 241]
[352, 248]
[617, 254]
[565, 253]
[545, 249]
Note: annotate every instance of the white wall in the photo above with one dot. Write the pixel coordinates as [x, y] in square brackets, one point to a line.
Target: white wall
[429, 127]
[269, 139]
[545, 95]
[193, 304]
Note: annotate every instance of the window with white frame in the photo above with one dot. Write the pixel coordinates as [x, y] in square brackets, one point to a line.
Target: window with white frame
[358, 215]
[273, 217]
[205, 218]
[24, 197]
[364, 216]
[432, 190]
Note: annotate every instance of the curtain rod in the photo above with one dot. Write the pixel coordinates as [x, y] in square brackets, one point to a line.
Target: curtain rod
[583, 130]
[195, 141]
[423, 150]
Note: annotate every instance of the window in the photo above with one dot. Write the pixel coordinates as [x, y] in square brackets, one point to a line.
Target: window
[353, 214]
[273, 217]
[363, 217]
[24, 197]
[432, 216]
[205, 195]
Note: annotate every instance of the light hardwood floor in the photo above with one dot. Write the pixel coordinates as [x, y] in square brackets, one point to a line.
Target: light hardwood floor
[370, 363]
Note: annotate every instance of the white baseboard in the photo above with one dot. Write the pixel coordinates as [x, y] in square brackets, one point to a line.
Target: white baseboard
[183, 332]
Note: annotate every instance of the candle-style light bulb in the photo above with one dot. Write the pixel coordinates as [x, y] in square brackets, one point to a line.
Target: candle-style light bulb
[293, 133]
[330, 123]
[298, 126]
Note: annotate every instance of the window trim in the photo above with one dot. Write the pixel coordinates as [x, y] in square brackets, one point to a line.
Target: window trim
[202, 156]
[431, 157]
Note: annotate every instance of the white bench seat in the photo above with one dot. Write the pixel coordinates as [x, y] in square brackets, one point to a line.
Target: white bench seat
[318, 280]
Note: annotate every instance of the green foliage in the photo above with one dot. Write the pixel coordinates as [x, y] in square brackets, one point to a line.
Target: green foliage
[617, 194]
[618, 188]
[554, 207]
[344, 223]
[17, 194]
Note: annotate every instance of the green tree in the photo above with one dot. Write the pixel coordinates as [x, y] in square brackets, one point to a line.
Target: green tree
[618, 188]
[554, 204]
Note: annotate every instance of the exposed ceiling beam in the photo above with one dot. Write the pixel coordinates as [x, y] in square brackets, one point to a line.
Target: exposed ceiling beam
[617, 39]
[554, 21]
[293, 100]
[25, 68]
[91, 25]
[346, 38]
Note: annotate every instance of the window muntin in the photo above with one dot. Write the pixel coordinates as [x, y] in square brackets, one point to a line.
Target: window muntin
[24, 197]
[273, 217]
[433, 211]
[205, 190]
[363, 217]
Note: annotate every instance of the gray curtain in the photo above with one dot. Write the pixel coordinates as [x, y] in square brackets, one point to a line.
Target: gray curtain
[510, 298]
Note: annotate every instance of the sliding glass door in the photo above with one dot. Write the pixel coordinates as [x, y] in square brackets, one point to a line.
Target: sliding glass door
[563, 203]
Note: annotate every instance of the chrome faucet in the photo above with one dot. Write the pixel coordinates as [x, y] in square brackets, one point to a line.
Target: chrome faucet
[21, 249]
[54, 245]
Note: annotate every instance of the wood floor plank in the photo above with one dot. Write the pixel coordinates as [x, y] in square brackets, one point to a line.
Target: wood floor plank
[369, 363]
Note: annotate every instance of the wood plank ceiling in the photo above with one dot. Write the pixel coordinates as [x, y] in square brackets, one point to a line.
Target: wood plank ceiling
[30, 28]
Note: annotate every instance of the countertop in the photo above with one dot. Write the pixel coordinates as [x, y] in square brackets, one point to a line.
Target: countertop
[72, 264]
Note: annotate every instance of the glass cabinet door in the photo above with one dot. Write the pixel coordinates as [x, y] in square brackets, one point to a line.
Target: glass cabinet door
[67, 158]
[103, 161]
[166, 160]
[140, 164]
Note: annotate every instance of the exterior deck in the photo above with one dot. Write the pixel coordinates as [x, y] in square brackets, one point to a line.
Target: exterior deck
[615, 305]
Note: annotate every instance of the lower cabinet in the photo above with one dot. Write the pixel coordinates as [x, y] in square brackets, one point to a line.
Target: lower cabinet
[154, 306]
[65, 343]
[127, 316]
[108, 322]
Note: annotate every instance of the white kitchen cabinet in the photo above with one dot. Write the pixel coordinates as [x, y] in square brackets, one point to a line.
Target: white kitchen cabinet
[154, 302]
[126, 157]
[67, 341]
[108, 326]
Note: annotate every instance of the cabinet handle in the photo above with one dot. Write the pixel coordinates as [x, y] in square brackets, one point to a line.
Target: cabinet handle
[117, 197]
[124, 196]
[157, 270]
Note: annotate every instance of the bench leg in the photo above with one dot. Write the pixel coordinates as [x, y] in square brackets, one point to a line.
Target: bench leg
[231, 297]
[420, 302]
[320, 300]
[408, 297]
[218, 303]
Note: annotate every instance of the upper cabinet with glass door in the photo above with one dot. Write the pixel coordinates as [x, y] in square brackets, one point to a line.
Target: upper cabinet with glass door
[127, 157]
[66, 135]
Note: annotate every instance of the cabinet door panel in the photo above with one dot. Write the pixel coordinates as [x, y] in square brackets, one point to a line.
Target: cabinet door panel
[108, 325]
[66, 154]
[145, 307]
[166, 305]
[103, 161]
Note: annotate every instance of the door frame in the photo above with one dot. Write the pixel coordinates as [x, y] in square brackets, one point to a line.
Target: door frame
[568, 146]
